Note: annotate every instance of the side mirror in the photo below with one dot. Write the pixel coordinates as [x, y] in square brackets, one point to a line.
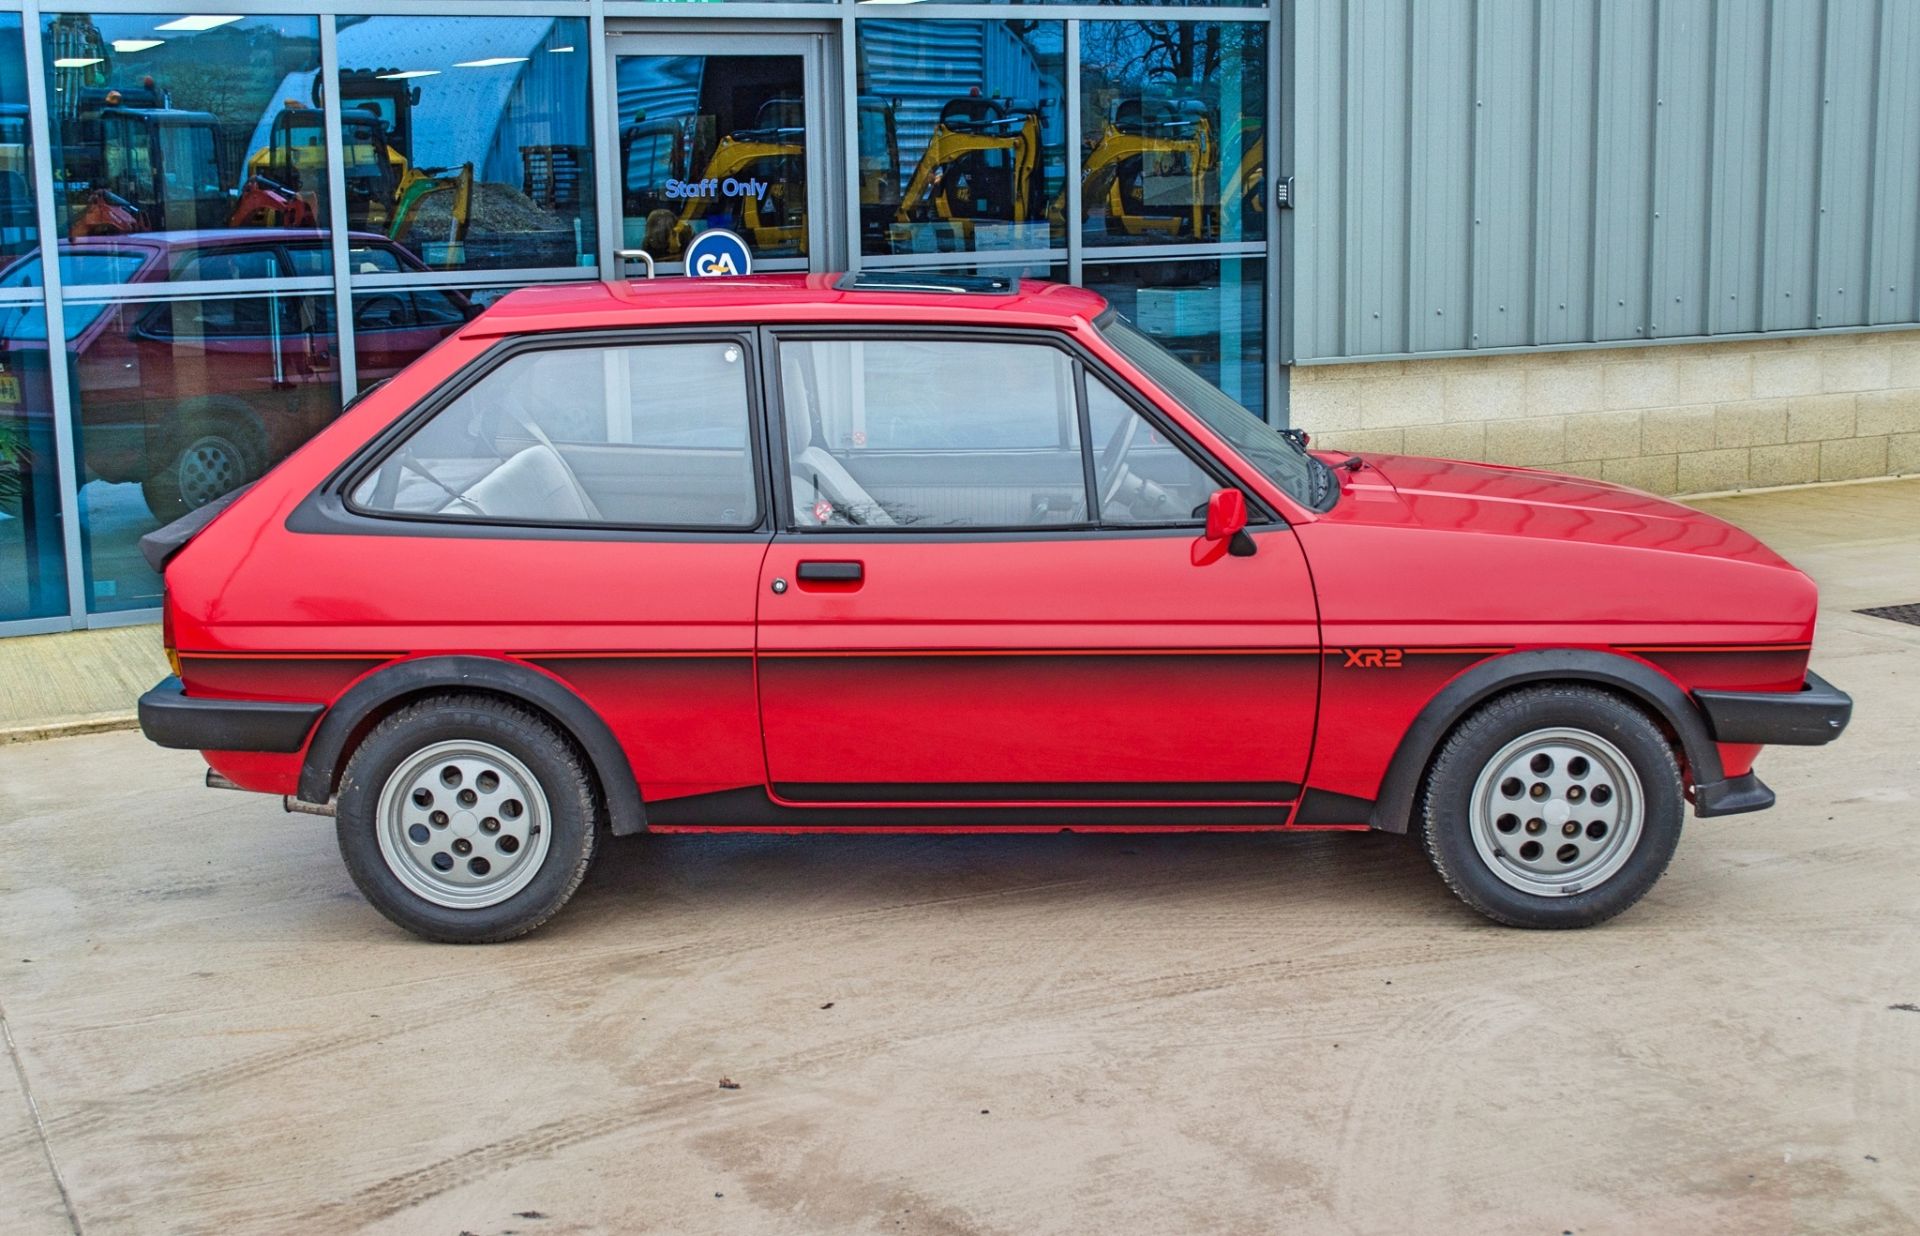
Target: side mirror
[1226, 528]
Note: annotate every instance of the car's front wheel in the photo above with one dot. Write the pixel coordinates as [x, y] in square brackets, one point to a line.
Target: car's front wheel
[466, 819]
[1552, 806]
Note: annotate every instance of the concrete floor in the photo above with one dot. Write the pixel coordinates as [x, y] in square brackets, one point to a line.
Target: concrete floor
[1052, 1034]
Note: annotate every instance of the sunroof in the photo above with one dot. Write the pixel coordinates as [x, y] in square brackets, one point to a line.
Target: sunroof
[910, 281]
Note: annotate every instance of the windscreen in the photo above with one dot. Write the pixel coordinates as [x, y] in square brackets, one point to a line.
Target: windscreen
[1256, 441]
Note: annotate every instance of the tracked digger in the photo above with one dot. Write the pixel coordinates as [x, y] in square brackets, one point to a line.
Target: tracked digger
[1150, 170]
[384, 187]
[982, 165]
[1154, 171]
[774, 152]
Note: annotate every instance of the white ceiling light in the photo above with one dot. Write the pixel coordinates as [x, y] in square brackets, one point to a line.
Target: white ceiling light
[404, 74]
[490, 62]
[557, 50]
[135, 45]
[75, 62]
[197, 22]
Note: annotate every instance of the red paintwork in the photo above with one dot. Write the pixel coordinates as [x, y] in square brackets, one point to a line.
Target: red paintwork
[1095, 660]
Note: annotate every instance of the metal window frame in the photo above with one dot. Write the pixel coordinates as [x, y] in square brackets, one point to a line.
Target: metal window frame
[837, 80]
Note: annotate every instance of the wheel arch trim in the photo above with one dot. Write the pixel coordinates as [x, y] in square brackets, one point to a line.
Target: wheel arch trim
[347, 717]
[1393, 805]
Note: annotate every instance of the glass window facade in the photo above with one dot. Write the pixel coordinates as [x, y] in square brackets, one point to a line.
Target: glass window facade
[1211, 313]
[1172, 131]
[715, 141]
[963, 136]
[260, 215]
[178, 401]
[469, 139]
[33, 581]
[172, 122]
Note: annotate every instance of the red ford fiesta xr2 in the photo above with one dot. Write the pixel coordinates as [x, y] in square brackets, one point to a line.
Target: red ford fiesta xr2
[821, 553]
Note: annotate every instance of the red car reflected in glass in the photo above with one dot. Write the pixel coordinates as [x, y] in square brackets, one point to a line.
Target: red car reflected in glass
[923, 553]
[192, 397]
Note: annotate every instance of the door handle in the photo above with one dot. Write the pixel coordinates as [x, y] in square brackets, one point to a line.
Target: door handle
[830, 572]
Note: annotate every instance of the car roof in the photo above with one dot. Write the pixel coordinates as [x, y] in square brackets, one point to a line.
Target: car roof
[756, 299]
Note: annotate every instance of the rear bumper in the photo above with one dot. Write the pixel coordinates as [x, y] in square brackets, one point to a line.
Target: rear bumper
[170, 717]
[1814, 715]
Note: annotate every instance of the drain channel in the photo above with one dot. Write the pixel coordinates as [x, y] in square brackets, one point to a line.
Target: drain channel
[1909, 614]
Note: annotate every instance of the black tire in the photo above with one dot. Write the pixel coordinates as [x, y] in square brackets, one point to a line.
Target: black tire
[206, 453]
[562, 776]
[1444, 811]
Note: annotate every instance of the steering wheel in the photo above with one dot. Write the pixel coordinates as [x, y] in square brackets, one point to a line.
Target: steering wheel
[379, 313]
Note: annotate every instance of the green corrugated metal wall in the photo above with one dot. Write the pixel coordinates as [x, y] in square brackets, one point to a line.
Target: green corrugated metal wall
[1474, 174]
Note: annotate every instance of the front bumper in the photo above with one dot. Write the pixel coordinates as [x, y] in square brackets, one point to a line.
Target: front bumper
[1814, 715]
[170, 717]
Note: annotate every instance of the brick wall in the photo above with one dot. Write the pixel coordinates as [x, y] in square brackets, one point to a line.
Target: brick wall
[1682, 419]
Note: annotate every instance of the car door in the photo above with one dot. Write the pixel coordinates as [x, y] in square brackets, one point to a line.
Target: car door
[976, 601]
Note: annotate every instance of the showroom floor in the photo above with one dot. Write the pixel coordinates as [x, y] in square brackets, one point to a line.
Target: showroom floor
[211, 1032]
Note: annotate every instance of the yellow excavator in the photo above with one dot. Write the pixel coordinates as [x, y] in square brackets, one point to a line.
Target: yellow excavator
[772, 153]
[982, 165]
[1150, 171]
[1154, 172]
[766, 166]
[384, 187]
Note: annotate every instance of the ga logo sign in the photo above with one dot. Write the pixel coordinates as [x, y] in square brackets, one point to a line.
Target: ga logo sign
[717, 251]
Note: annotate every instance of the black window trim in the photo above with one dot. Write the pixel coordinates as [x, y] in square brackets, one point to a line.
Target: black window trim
[1087, 367]
[327, 510]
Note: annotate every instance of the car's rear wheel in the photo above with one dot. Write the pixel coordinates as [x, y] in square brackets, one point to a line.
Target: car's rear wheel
[467, 819]
[1552, 806]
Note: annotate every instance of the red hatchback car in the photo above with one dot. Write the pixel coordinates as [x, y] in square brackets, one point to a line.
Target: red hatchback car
[820, 553]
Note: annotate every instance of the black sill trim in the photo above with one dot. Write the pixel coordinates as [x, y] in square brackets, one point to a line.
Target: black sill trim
[170, 717]
[751, 808]
[987, 792]
[1814, 715]
[1326, 807]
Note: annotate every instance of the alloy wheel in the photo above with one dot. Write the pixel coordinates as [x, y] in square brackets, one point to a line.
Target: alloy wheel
[1557, 812]
[463, 824]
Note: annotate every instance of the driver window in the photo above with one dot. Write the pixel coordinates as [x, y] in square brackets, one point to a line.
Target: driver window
[1144, 478]
[932, 433]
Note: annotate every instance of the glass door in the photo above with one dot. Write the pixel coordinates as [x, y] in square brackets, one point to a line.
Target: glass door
[723, 130]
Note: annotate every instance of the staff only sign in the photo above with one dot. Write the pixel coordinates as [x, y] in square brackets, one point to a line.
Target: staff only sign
[732, 186]
[717, 251]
